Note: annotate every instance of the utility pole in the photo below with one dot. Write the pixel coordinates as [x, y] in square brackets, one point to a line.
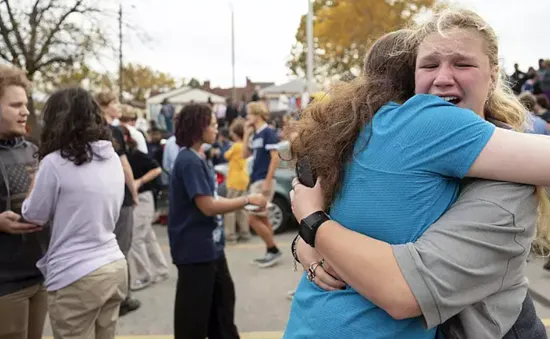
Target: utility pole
[309, 32]
[120, 62]
[234, 92]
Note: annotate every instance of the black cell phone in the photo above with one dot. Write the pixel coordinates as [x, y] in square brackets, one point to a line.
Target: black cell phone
[305, 173]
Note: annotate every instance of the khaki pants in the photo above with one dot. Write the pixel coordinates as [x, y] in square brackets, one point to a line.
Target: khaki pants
[22, 314]
[88, 308]
[145, 259]
[236, 221]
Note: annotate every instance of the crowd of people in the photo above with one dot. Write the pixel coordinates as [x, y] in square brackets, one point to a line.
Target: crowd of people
[533, 90]
[76, 232]
[420, 226]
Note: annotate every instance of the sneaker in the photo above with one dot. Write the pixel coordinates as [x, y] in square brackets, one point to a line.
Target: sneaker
[160, 278]
[140, 284]
[128, 305]
[257, 260]
[269, 260]
[231, 242]
[244, 238]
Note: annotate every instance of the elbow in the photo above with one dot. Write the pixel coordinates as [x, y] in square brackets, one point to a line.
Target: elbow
[403, 309]
[209, 211]
[207, 205]
[33, 217]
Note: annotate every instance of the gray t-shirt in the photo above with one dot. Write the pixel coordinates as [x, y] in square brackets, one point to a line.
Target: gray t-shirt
[469, 264]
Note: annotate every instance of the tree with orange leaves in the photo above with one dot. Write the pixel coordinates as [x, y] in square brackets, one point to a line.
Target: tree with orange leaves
[344, 30]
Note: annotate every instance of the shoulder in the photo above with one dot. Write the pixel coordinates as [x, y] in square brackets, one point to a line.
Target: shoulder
[28, 151]
[271, 135]
[425, 110]
[52, 160]
[237, 146]
[270, 131]
[139, 155]
[427, 105]
[31, 146]
[186, 158]
[511, 197]
[115, 130]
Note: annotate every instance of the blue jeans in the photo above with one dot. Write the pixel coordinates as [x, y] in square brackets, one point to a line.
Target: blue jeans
[527, 326]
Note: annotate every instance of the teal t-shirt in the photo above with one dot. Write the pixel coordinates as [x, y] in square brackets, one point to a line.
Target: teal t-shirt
[393, 190]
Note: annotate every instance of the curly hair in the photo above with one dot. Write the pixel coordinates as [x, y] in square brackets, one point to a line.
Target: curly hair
[12, 76]
[193, 120]
[328, 129]
[72, 121]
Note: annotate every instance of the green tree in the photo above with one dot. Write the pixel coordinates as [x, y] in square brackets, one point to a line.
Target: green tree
[140, 80]
[194, 83]
[77, 74]
[40, 36]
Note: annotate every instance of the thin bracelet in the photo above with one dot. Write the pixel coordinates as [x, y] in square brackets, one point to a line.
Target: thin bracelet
[246, 201]
[293, 248]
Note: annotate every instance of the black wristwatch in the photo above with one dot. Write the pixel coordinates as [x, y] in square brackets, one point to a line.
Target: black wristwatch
[310, 224]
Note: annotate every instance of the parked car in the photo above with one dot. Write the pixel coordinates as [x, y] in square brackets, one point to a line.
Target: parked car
[280, 214]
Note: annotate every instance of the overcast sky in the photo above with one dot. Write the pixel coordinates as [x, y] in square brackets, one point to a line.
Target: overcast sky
[192, 38]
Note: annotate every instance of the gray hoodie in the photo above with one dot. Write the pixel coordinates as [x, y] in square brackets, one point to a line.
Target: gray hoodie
[18, 253]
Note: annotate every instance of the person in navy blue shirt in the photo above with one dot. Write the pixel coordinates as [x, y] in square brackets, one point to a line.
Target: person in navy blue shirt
[220, 146]
[205, 294]
[264, 147]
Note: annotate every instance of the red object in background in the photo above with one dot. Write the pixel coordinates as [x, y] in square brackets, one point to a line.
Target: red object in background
[163, 219]
[220, 178]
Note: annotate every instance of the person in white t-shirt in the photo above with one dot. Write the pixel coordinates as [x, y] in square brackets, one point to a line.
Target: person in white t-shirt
[128, 119]
[283, 102]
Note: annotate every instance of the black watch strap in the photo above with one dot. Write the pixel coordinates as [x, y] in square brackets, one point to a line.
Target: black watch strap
[310, 224]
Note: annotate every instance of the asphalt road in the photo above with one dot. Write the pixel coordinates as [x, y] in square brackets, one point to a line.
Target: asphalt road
[262, 305]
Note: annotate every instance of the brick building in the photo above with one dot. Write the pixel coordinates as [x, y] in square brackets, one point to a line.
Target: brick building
[242, 92]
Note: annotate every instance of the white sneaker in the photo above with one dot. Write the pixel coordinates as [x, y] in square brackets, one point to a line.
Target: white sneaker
[139, 285]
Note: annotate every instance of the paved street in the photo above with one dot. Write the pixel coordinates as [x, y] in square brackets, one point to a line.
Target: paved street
[262, 306]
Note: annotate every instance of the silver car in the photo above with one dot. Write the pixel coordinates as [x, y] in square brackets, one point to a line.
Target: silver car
[280, 214]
